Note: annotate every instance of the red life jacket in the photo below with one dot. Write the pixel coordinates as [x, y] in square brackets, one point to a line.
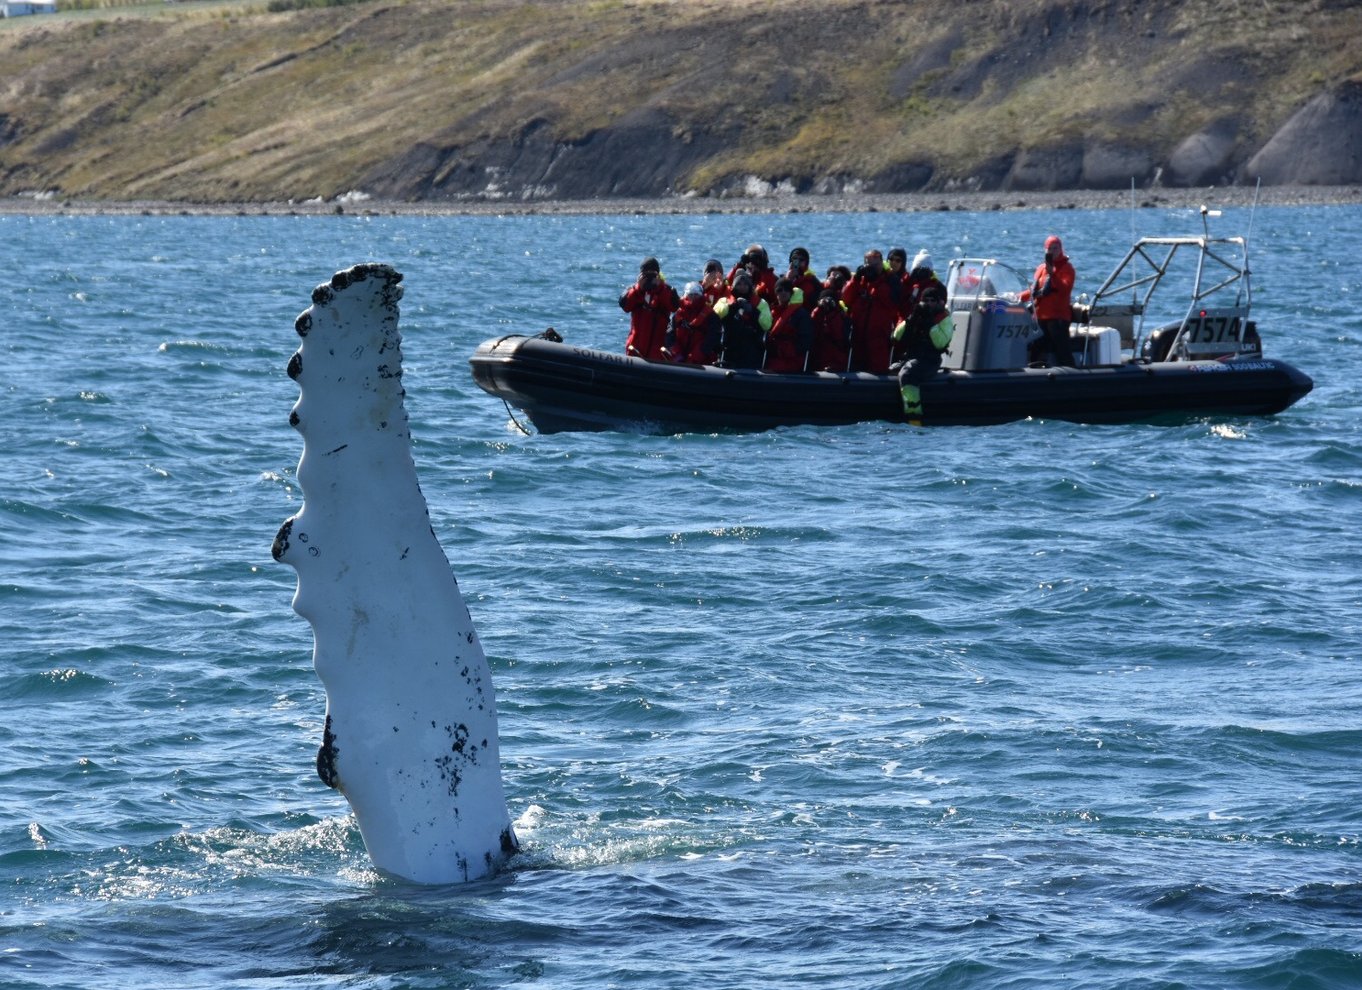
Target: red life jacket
[714, 293]
[695, 335]
[913, 287]
[788, 340]
[830, 334]
[808, 284]
[763, 284]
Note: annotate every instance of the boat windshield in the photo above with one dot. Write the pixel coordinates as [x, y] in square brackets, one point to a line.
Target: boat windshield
[973, 279]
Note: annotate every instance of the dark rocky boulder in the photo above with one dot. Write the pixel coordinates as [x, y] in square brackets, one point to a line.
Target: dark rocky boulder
[1113, 166]
[1045, 169]
[1092, 164]
[1321, 144]
[1206, 157]
[902, 177]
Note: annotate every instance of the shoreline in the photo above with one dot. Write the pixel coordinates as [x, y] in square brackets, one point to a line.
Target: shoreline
[975, 202]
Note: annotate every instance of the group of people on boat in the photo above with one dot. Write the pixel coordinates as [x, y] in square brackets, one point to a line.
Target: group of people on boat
[886, 315]
[750, 317]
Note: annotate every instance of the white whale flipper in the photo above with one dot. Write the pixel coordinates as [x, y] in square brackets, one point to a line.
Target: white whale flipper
[411, 724]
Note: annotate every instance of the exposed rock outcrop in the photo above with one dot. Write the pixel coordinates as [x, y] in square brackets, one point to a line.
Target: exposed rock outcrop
[1320, 145]
[1206, 157]
[643, 155]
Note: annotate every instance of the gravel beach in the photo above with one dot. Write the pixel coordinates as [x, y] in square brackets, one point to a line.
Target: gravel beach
[1214, 196]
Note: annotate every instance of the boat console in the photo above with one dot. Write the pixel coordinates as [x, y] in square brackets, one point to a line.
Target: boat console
[993, 328]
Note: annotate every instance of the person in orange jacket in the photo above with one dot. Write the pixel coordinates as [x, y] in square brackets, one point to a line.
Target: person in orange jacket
[650, 302]
[1051, 294]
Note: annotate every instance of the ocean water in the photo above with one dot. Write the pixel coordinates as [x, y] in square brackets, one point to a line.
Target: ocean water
[1025, 706]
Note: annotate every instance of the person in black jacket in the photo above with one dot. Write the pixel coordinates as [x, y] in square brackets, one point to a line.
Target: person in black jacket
[924, 337]
[745, 318]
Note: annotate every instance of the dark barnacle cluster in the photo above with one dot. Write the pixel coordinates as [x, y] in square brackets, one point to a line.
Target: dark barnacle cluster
[323, 294]
[280, 545]
[326, 756]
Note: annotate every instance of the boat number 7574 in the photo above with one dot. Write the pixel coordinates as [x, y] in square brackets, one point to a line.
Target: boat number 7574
[1009, 331]
[1210, 329]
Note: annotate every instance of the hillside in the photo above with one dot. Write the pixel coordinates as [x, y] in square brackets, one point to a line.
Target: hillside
[419, 100]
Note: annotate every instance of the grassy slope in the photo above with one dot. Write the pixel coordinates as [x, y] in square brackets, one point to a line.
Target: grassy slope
[221, 102]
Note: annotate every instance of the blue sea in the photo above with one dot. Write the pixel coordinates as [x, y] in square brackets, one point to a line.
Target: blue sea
[1025, 706]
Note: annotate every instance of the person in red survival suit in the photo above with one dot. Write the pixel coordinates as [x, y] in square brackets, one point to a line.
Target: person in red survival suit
[695, 331]
[837, 278]
[791, 335]
[919, 277]
[1051, 294]
[757, 263]
[831, 333]
[804, 280]
[872, 298]
[713, 282]
[650, 302]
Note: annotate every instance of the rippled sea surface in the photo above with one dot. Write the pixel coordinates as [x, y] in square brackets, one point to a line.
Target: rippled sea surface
[1025, 706]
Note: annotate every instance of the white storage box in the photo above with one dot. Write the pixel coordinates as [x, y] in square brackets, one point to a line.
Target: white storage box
[1096, 345]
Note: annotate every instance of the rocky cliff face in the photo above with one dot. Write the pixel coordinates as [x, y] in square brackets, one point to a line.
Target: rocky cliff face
[540, 99]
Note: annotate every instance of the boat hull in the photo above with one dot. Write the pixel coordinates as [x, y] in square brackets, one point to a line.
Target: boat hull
[562, 388]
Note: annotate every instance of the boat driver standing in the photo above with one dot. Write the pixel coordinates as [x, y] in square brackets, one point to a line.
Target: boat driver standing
[923, 337]
[1050, 294]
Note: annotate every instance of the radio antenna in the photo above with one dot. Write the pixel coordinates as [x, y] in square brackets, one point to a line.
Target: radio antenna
[1132, 209]
[1252, 211]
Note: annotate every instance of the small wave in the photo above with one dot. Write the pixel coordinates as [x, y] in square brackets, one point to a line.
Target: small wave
[190, 345]
[58, 684]
[1323, 743]
[1324, 968]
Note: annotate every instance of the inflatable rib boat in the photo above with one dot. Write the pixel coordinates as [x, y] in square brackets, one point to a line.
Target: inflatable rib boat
[1208, 362]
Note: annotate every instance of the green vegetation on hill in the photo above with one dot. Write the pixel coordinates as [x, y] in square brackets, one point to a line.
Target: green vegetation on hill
[222, 101]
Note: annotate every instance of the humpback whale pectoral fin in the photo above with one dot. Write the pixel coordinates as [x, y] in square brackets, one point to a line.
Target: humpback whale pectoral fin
[387, 615]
